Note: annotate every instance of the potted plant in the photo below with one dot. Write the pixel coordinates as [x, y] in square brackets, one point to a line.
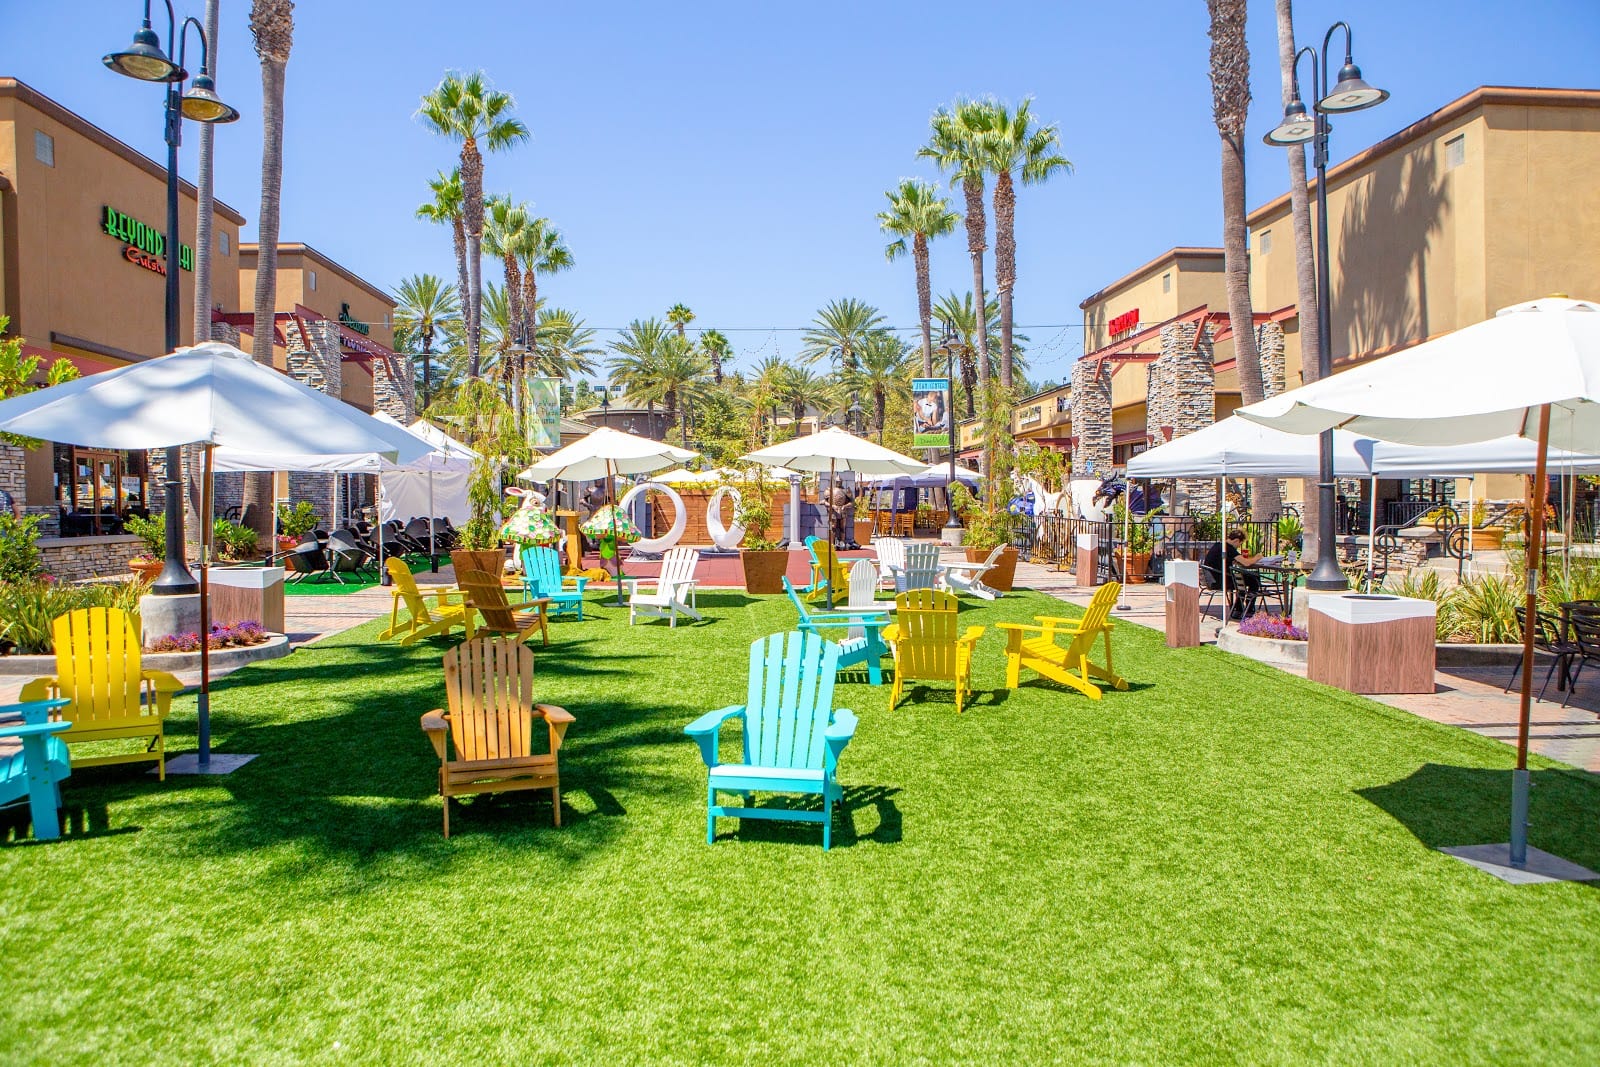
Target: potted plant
[924, 515]
[1485, 536]
[294, 522]
[985, 529]
[480, 548]
[762, 561]
[1290, 531]
[1140, 544]
[234, 542]
[863, 520]
[153, 532]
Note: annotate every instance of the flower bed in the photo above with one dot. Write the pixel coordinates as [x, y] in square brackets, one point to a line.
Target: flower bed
[239, 635]
[1275, 627]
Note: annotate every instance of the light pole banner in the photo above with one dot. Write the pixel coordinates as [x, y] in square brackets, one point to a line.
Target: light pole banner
[543, 412]
[930, 412]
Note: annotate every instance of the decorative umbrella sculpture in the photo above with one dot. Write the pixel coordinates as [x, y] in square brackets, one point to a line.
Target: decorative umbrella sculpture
[1532, 370]
[210, 395]
[602, 455]
[834, 450]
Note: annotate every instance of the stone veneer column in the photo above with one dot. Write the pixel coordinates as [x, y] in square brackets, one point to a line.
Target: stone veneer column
[1181, 397]
[314, 360]
[392, 389]
[1091, 419]
[1269, 343]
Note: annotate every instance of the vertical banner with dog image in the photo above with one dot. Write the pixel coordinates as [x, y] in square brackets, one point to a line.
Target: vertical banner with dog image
[930, 413]
[543, 412]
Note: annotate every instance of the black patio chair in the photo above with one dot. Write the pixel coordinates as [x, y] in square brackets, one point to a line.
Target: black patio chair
[1547, 638]
[347, 554]
[1583, 629]
[308, 560]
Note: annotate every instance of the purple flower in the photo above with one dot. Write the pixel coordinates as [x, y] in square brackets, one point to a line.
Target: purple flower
[1273, 626]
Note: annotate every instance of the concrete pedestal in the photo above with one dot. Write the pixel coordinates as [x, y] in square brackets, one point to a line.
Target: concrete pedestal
[1372, 643]
[162, 616]
[1182, 579]
[1087, 571]
[247, 594]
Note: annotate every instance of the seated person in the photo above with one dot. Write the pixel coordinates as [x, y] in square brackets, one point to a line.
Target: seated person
[1246, 585]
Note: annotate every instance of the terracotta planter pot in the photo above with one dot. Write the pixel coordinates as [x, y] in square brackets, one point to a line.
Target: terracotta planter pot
[148, 570]
[1005, 568]
[1488, 537]
[489, 560]
[863, 531]
[1137, 567]
[763, 571]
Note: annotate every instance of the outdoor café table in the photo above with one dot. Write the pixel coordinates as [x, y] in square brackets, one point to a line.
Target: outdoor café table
[1278, 581]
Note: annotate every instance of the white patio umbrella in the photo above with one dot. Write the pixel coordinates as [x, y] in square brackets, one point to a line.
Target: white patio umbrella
[1238, 448]
[606, 453]
[834, 450]
[1532, 370]
[211, 394]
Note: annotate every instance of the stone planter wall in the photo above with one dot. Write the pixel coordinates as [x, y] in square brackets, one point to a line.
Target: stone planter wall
[72, 559]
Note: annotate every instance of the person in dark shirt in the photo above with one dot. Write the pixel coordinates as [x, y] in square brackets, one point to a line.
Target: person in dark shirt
[1245, 584]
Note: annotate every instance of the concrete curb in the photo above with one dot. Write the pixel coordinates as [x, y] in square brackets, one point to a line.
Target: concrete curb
[1271, 650]
[275, 647]
[1264, 649]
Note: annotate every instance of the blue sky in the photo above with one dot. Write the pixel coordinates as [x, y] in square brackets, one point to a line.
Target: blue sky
[733, 156]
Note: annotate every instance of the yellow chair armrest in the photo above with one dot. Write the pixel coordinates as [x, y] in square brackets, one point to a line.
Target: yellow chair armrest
[39, 689]
[162, 685]
[971, 636]
[436, 726]
[891, 633]
[559, 719]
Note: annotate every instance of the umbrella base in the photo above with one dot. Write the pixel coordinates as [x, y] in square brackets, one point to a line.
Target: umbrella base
[1496, 860]
[220, 763]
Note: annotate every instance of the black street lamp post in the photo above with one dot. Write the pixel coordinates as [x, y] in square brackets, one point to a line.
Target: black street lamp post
[1350, 94]
[145, 60]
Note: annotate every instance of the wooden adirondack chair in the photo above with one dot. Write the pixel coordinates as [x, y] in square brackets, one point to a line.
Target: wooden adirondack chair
[929, 644]
[486, 741]
[542, 580]
[968, 577]
[486, 598]
[867, 649]
[33, 762]
[448, 611]
[891, 553]
[674, 592]
[826, 569]
[1069, 665]
[920, 570]
[793, 737]
[98, 670]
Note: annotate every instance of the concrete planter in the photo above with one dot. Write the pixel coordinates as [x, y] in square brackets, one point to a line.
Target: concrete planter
[1265, 649]
[274, 647]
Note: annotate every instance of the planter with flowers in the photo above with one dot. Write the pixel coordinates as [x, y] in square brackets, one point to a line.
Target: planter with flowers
[153, 533]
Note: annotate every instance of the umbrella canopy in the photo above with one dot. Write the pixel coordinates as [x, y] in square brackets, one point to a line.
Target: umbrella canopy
[432, 459]
[1238, 448]
[835, 450]
[606, 451]
[441, 441]
[1503, 455]
[209, 394]
[1481, 382]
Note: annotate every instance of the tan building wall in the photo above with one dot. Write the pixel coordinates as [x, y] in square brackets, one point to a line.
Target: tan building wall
[1172, 283]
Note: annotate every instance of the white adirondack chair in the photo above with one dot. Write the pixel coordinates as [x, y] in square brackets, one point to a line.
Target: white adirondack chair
[891, 554]
[863, 590]
[921, 569]
[968, 577]
[674, 590]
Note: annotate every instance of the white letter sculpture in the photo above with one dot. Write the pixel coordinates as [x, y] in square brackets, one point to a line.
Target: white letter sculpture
[725, 538]
[653, 545]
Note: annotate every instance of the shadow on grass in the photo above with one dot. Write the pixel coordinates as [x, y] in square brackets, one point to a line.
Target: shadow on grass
[1445, 805]
[889, 830]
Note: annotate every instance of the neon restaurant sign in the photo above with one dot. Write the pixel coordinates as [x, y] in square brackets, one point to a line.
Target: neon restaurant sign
[144, 245]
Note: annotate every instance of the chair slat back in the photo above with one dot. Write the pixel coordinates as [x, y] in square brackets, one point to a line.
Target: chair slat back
[863, 583]
[677, 567]
[929, 626]
[406, 585]
[891, 554]
[489, 683]
[98, 665]
[485, 594]
[541, 566]
[789, 704]
[1100, 605]
[922, 566]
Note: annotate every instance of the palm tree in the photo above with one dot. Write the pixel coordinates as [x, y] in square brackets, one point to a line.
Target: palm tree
[716, 347]
[1014, 144]
[563, 346]
[542, 251]
[654, 364]
[839, 331]
[272, 26]
[917, 211]
[883, 373]
[505, 231]
[445, 209]
[764, 391]
[1230, 104]
[958, 315]
[424, 303]
[679, 316]
[204, 210]
[464, 108]
[801, 388]
[956, 145]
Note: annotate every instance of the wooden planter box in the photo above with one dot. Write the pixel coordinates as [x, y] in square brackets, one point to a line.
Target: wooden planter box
[763, 571]
[1488, 537]
[1005, 568]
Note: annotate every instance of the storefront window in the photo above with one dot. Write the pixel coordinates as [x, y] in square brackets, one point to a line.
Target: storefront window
[97, 489]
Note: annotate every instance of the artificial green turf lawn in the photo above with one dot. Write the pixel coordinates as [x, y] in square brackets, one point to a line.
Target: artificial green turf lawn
[1224, 863]
[350, 584]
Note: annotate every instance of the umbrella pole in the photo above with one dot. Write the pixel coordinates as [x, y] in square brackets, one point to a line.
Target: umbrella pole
[616, 549]
[1222, 508]
[433, 549]
[203, 714]
[832, 522]
[1372, 529]
[1519, 777]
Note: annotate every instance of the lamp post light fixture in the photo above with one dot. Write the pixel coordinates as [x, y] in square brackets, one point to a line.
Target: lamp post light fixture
[1350, 94]
[948, 343]
[145, 60]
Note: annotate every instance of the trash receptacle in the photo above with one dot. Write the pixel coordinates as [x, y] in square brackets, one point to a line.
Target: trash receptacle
[1371, 642]
[1182, 579]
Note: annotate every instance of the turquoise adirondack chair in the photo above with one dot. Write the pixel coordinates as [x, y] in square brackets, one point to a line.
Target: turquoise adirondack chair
[868, 649]
[542, 578]
[792, 735]
[33, 769]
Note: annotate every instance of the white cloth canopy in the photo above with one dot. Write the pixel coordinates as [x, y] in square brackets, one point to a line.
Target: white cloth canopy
[1503, 455]
[833, 450]
[932, 476]
[606, 451]
[1237, 448]
[1481, 382]
[440, 441]
[208, 394]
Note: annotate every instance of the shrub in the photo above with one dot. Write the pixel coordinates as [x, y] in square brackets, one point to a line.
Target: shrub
[19, 548]
[1274, 626]
[754, 513]
[233, 540]
[153, 532]
[27, 609]
[298, 520]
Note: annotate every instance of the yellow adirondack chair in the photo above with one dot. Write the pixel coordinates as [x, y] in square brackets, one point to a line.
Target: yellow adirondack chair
[486, 598]
[422, 621]
[1069, 665]
[826, 569]
[486, 742]
[928, 642]
[98, 669]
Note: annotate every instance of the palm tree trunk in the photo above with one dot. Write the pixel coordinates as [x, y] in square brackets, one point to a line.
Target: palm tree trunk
[257, 501]
[514, 321]
[671, 403]
[472, 212]
[530, 308]
[458, 235]
[880, 402]
[1005, 263]
[427, 366]
[977, 244]
[969, 379]
[919, 256]
[1305, 268]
